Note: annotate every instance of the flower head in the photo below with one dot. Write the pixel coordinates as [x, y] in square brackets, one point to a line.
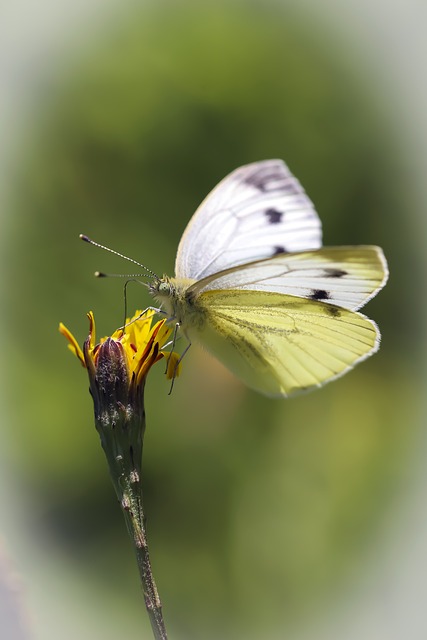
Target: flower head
[118, 366]
[141, 342]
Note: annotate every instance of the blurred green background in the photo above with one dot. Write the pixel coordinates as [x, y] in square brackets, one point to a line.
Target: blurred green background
[265, 517]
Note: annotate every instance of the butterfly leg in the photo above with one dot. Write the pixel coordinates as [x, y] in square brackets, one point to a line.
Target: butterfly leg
[126, 303]
[125, 297]
[171, 344]
[181, 356]
[154, 309]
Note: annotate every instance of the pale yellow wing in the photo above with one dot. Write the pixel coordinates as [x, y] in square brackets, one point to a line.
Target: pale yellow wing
[281, 344]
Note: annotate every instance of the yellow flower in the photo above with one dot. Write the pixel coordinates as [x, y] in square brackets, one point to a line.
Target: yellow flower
[140, 342]
[117, 367]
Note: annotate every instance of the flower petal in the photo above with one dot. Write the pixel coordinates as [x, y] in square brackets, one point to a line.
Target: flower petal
[74, 345]
[174, 366]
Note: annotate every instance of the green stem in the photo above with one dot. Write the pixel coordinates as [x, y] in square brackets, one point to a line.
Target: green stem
[128, 489]
[120, 421]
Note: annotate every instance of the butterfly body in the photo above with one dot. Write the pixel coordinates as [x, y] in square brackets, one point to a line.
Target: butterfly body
[174, 296]
[255, 286]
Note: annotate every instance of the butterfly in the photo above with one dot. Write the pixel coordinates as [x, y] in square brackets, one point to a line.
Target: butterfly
[254, 285]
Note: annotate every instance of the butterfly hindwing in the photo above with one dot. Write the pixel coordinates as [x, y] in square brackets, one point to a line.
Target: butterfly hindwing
[255, 212]
[280, 344]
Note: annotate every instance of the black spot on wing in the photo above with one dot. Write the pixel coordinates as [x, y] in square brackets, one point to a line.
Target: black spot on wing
[273, 216]
[278, 250]
[319, 294]
[256, 181]
[335, 273]
[260, 179]
[273, 178]
[333, 311]
[322, 295]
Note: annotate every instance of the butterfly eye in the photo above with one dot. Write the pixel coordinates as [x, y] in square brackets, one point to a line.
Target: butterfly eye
[164, 287]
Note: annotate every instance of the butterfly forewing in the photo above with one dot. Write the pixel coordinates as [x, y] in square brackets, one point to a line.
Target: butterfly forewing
[257, 211]
[344, 276]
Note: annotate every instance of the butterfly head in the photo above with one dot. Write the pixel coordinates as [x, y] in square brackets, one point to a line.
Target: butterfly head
[161, 287]
[164, 292]
[174, 295]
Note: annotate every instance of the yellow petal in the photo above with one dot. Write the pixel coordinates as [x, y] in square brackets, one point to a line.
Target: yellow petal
[92, 332]
[74, 345]
[174, 366]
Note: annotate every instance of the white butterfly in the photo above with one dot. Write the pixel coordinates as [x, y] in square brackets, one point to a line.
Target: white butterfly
[255, 287]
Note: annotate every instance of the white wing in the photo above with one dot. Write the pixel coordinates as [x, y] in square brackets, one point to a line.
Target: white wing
[344, 276]
[257, 211]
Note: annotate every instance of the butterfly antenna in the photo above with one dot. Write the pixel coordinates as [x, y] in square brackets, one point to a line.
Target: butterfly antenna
[116, 253]
[131, 276]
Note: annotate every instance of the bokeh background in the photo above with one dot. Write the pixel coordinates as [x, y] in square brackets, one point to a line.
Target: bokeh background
[270, 519]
